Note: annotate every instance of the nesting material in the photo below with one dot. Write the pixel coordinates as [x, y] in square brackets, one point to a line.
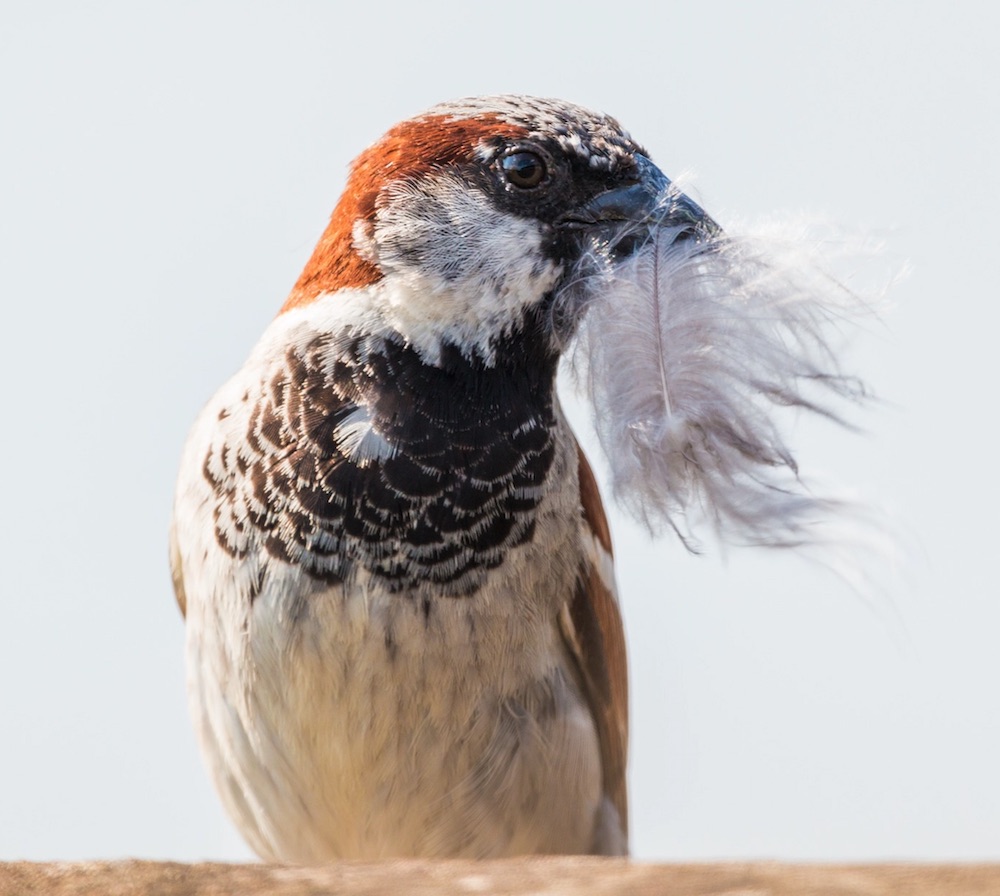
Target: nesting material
[692, 351]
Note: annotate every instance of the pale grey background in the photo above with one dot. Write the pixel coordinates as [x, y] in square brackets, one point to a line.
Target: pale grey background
[166, 169]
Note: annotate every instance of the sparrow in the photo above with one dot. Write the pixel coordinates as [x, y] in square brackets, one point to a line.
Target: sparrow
[402, 630]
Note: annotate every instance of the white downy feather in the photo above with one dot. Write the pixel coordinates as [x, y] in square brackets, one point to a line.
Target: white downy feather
[689, 351]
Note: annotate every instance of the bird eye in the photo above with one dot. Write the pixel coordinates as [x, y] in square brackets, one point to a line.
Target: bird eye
[524, 169]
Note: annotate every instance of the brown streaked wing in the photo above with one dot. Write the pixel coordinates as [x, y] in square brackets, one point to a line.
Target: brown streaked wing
[593, 631]
[175, 571]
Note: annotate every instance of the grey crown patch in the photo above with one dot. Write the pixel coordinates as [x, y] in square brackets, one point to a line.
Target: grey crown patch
[593, 136]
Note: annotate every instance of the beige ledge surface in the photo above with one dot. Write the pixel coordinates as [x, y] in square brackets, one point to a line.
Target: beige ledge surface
[538, 877]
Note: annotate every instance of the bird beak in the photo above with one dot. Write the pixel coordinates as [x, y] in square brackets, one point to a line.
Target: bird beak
[648, 201]
[646, 210]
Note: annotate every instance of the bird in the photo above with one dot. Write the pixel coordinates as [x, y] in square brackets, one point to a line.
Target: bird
[402, 630]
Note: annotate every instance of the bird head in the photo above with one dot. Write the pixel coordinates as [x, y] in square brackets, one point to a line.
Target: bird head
[460, 225]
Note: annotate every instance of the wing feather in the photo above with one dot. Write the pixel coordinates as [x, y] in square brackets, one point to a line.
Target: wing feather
[593, 631]
[175, 571]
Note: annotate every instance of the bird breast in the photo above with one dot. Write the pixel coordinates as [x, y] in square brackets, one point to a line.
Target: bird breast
[374, 663]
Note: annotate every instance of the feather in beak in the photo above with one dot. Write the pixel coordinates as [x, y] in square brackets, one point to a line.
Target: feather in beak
[691, 344]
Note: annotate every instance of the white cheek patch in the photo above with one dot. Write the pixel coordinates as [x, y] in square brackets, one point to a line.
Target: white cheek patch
[457, 269]
[361, 238]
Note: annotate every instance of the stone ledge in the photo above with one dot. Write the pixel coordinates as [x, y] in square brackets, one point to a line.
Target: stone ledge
[566, 876]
